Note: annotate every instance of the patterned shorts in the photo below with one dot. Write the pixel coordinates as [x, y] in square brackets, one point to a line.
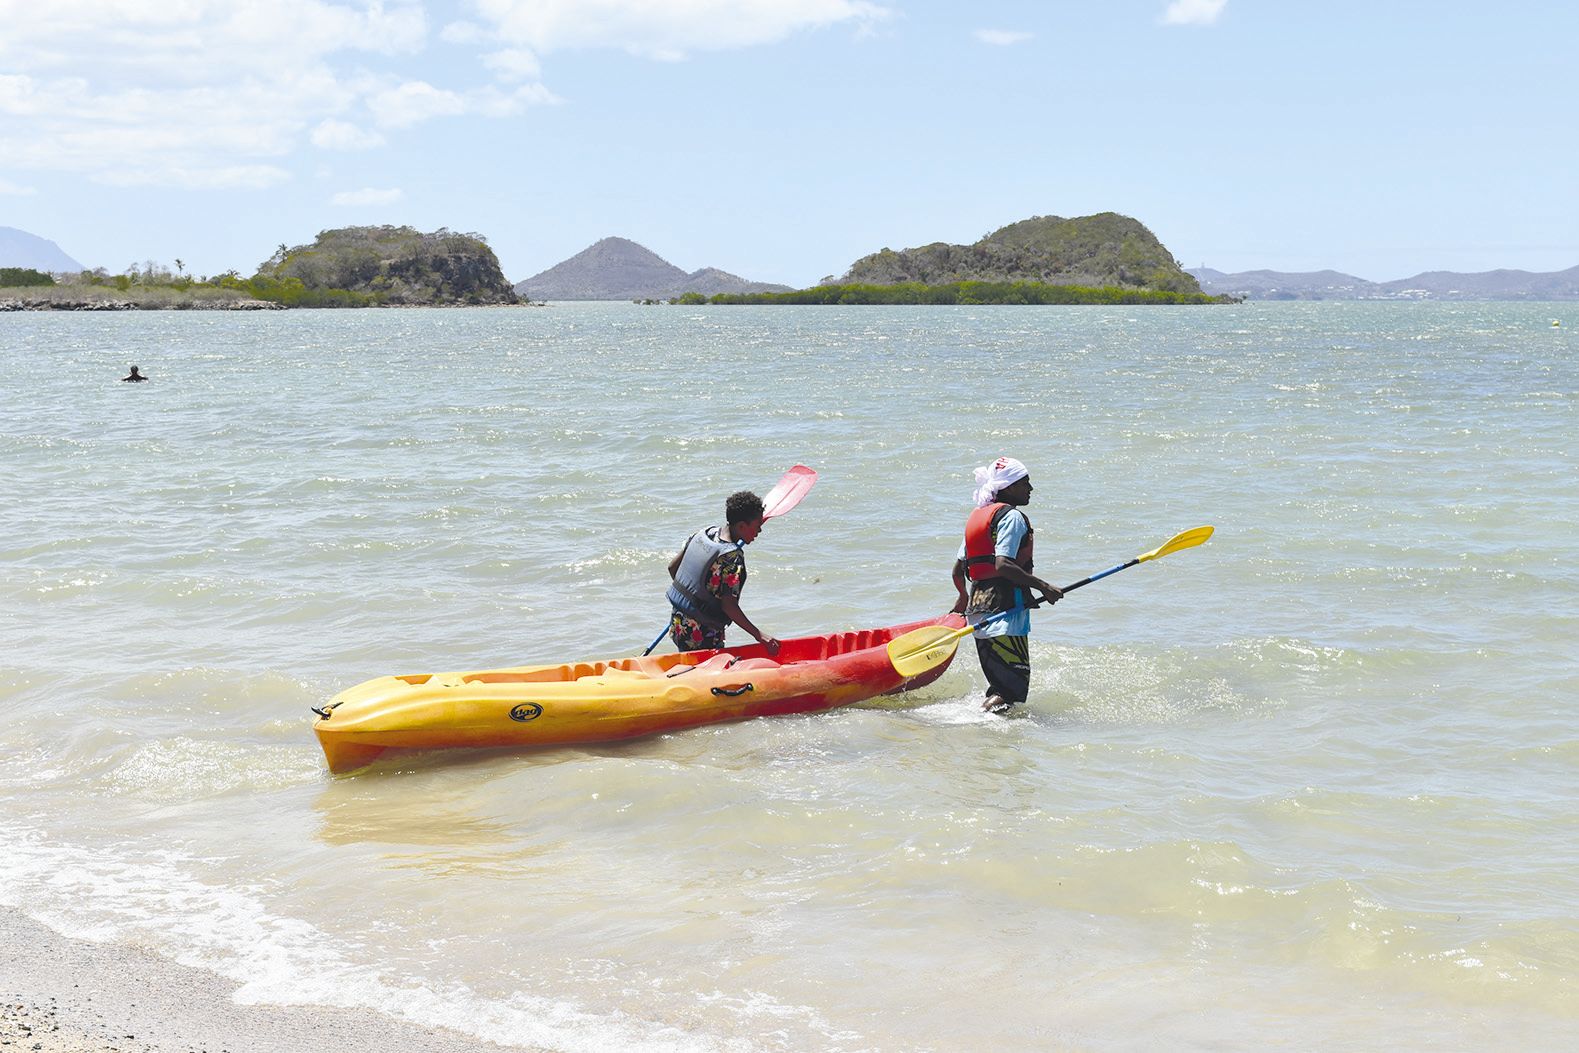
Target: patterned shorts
[1007, 662]
[689, 634]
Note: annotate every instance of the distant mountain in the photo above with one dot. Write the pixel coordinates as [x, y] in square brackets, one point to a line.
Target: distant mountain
[709, 281]
[1279, 285]
[619, 269]
[18, 248]
[1487, 285]
[1102, 250]
[1432, 285]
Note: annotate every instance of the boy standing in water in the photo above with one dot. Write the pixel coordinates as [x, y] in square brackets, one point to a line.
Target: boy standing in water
[996, 557]
[709, 573]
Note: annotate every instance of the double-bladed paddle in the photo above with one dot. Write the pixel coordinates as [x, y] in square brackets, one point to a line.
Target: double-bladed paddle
[785, 495]
[931, 645]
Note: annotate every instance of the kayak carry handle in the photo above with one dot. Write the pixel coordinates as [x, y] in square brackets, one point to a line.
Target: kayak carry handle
[733, 692]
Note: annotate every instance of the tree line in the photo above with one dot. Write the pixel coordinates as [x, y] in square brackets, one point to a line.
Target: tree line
[961, 292]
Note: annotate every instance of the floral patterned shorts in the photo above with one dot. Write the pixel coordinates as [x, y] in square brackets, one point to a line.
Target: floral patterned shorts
[689, 634]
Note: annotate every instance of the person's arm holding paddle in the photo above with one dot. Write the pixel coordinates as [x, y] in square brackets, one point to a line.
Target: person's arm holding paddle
[1011, 572]
[1015, 574]
[925, 648]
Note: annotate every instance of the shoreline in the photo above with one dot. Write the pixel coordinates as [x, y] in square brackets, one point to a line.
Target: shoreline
[16, 305]
[64, 995]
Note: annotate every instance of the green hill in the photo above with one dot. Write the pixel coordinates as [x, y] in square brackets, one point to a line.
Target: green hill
[393, 265]
[1105, 250]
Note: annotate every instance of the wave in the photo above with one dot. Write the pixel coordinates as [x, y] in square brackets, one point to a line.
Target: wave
[128, 893]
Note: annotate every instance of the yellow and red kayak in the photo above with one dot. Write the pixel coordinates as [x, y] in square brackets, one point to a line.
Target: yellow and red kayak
[619, 698]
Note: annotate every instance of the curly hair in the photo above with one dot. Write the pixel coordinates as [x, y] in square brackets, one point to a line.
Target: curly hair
[742, 506]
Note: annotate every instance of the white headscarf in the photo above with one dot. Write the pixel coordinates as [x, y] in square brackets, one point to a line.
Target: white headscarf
[991, 478]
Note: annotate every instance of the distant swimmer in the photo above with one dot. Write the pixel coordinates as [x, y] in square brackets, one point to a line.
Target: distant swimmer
[133, 377]
[1555, 323]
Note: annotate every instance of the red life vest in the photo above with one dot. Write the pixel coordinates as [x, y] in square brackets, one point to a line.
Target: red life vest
[981, 539]
[981, 532]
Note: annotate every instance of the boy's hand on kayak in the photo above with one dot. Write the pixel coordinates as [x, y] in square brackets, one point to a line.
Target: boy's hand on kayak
[771, 643]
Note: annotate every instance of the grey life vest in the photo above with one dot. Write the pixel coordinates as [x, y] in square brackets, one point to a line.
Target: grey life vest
[688, 592]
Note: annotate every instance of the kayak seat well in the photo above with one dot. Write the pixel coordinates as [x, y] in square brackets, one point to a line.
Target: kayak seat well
[754, 663]
[716, 664]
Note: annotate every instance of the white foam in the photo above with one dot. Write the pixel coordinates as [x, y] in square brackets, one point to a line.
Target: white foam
[949, 712]
[148, 896]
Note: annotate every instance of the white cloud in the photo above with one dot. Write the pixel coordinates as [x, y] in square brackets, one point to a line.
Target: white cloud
[514, 64]
[8, 187]
[197, 41]
[203, 177]
[367, 196]
[413, 102]
[665, 30]
[463, 33]
[198, 93]
[1193, 12]
[224, 93]
[1001, 37]
[127, 135]
[343, 135]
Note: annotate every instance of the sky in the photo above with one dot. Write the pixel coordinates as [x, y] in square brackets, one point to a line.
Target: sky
[781, 140]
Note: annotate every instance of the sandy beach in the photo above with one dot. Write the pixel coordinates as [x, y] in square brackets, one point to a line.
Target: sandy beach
[60, 995]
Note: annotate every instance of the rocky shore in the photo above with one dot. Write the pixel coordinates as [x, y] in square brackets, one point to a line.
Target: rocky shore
[22, 303]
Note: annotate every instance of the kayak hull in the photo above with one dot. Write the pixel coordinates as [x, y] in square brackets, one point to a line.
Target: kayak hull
[611, 700]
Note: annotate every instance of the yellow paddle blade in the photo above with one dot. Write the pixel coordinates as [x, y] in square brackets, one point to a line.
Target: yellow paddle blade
[925, 648]
[1187, 539]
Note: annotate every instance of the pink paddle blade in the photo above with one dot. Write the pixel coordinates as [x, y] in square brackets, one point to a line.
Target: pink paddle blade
[787, 492]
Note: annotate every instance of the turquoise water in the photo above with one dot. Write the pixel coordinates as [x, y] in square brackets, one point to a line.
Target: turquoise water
[1311, 785]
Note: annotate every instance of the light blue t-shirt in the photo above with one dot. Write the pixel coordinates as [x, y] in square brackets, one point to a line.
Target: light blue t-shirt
[1006, 541]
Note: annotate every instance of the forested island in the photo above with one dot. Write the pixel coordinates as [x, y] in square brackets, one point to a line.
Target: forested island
[1101, 259]
[1097, 251]
[382, 266]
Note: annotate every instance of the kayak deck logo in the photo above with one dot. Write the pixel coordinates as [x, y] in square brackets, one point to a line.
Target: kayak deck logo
[526, 711]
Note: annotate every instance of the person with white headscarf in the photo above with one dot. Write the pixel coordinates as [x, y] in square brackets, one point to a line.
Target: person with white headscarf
[996, 559]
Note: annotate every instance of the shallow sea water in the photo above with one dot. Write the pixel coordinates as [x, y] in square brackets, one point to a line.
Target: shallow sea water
[1311, 785]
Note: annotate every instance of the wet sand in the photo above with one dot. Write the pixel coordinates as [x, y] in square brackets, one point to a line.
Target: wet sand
[59, 995]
